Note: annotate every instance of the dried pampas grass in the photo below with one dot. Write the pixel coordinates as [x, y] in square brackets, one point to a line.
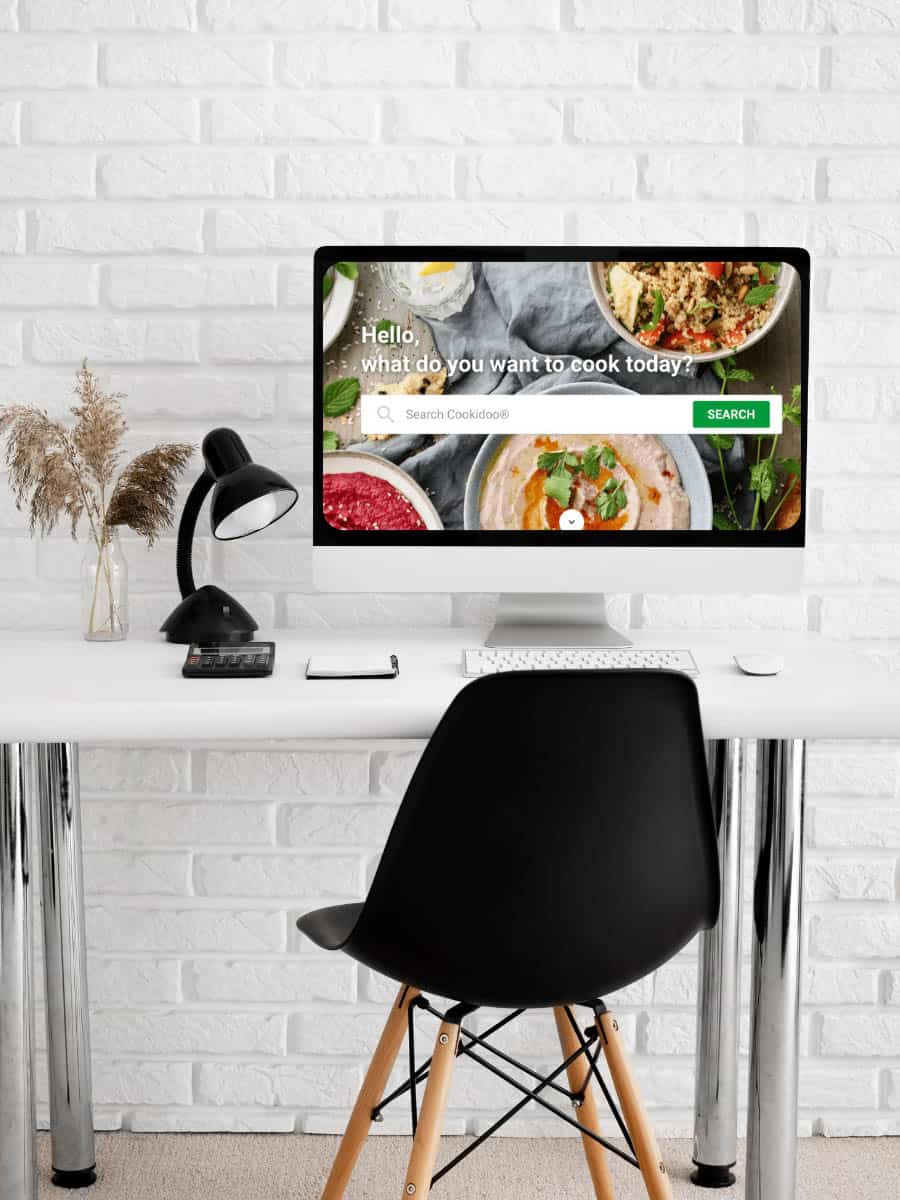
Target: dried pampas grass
[56, 472]
[144, 496]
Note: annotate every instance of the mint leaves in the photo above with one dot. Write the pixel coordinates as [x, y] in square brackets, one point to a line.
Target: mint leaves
[329, 440]
[790, 412]
[348, 269]
[766, 474]
[722, 521]
[763, 479]
[340, 396]
[763, 476]
[727, 370]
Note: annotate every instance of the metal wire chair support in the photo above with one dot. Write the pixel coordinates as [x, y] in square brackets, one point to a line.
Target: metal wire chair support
[468, 1043]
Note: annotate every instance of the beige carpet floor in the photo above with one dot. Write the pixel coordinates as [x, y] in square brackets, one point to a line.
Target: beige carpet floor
[287, 1167]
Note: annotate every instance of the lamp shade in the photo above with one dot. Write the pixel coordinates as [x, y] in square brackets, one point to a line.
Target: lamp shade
[247, 497]
[248, 500]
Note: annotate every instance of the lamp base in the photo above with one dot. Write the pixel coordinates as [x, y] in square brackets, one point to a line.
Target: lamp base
[209, 615]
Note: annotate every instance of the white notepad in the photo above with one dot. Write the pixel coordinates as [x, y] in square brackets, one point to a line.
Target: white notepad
[352, 666]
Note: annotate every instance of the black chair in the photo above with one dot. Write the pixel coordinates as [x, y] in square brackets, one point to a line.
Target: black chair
[555, 843]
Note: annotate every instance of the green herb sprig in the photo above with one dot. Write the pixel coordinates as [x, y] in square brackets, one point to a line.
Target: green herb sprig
[339, 397]
[562, 465]
[611, 500]
[760, 294]
[658, 306]
[727, 371]
[768, 478]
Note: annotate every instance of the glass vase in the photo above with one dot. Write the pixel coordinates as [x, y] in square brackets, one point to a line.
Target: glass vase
[104, 589]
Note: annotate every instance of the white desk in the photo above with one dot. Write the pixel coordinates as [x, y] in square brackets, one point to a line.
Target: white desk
[58, 691]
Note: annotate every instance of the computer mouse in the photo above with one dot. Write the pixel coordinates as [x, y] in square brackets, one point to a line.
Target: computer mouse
[759, 664]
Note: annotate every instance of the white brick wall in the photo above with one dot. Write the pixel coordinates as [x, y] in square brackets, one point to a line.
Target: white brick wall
[166, 167]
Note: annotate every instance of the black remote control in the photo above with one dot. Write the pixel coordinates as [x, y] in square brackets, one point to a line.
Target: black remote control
[222, 660]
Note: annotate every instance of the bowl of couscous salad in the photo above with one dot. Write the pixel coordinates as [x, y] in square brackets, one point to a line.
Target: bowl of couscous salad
[698, 310]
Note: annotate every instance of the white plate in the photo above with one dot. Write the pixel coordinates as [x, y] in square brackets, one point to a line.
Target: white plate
[341, 462]
[337, 308]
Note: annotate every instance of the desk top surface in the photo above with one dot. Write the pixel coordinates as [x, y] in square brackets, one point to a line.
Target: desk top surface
[56, 687]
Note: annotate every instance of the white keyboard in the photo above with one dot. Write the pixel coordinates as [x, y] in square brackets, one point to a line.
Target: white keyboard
[489, 662]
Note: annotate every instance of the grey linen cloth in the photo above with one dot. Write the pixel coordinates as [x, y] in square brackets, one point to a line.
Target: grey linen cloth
[519, 310]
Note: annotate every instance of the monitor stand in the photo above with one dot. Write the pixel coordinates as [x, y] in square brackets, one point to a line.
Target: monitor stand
[540, 619]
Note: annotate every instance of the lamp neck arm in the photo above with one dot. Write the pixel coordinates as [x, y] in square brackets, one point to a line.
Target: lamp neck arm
[186, 527]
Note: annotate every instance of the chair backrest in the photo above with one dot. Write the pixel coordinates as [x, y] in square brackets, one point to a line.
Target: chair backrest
[556, 841]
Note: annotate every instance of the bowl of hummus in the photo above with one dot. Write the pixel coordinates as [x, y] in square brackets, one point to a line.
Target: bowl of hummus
[614, 482]
[701, 311]
[366, 492]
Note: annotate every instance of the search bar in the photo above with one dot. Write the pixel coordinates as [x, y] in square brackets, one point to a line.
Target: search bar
[542, 413]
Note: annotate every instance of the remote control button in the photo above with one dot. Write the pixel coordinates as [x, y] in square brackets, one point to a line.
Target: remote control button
[262, 659]
[206, 660]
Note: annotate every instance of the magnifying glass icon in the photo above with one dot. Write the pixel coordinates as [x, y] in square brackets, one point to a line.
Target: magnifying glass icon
[384, 413]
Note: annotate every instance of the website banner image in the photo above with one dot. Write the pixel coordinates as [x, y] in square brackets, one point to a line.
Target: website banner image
[561, 396]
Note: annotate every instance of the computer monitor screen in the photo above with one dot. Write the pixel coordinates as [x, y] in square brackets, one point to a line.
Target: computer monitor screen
[592, 396]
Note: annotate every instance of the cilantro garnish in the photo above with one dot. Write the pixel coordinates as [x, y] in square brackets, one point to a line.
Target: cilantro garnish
[590, 464]
[558, 487]
[561, 467]
[611, 500]
[555, 460]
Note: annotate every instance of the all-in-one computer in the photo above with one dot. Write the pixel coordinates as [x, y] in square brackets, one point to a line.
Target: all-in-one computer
[556, 423]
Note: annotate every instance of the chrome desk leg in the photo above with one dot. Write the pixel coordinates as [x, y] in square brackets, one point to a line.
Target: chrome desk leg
[775, 991]
[715, 1101]
[68, 1035]
[18, 1177]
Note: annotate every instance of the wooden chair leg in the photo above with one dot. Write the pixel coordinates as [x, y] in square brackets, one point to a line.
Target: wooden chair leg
[372, 1090]
[428, 1133]
[579, 1078]
[653, 1169]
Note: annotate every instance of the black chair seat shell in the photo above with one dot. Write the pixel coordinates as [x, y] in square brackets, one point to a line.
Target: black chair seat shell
[555, 843]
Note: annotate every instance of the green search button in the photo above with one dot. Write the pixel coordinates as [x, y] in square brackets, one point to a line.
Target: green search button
[731, 414]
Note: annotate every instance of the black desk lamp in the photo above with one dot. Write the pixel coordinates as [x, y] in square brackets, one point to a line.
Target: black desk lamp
[246, 498]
